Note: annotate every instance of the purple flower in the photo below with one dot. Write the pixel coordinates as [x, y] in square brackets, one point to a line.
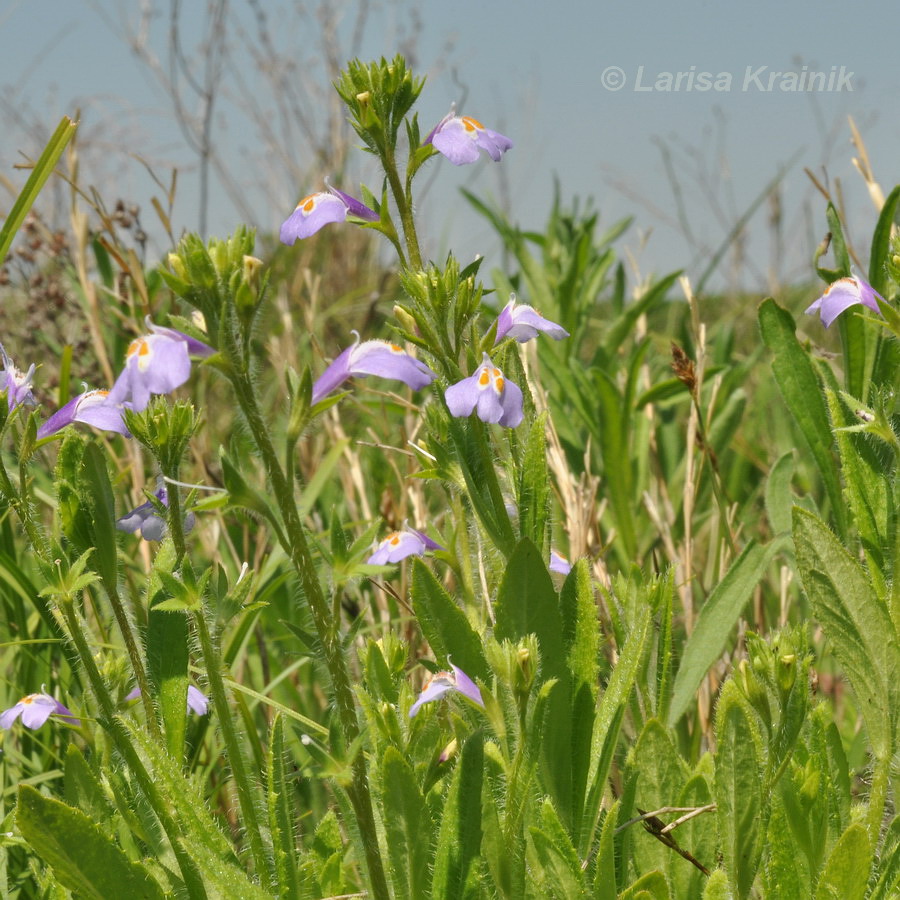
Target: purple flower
[459, 138]
[841, 295]
[558, 563]
[440, 684]
[196, 699]
[92, 408]
[400, 544]
[495, 399]
[35, 709]
[18, 386]
[373, 358]
[146, 519]
[317, 210]
[522, 323]
[156, 363]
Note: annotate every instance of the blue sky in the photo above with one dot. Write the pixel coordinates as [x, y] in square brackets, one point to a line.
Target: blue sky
[537, 74]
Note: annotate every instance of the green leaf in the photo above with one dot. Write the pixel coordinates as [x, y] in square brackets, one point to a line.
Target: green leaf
[282, 816]
[608, 721]
[778, 493]
[445, 625]
[534, 486]
[846, 873]
[801, 391]
[855, 621]
[459, 840]
[581, 640]
[527, 603]
[650, 886]
[83, 858]
[866, 480]
[406, 822]
[605, 875]
[740, 805]
[561, 874]
[717, 617]
[881, 242]
[718, 888]
[64, 133]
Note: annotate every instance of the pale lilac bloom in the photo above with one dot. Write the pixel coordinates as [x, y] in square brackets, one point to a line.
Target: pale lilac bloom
[320, 209]
[35, 709]
[91, 408]
[197, 701]
[400, 544]
[146, 520]
[17, 384]
[460, 138]
[558, 563]
[442, 682]
[522, 323]
[372, 358]
[841, 295]
[495, 399]
[156, 363]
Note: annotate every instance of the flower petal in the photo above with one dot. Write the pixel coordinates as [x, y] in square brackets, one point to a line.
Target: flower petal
[389, 361]
[460, 137]
[197, 700]
[36, 709]
[462, 396]
[312, 213]
[841, 295]
[434, 690]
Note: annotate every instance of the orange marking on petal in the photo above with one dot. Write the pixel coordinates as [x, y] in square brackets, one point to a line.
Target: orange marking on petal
[472, 124]
[30, 698]
[484, 378]
[498, 384]
[396, 349]
[394, 539]
[307, 204]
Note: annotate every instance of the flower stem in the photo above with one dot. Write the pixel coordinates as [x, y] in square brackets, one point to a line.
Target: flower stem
[404, 207]
[297, 548]
[213, 663]
[114, 727]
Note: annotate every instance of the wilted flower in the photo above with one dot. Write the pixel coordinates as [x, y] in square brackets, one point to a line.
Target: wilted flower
[522, 323]
[460, 137]
[146, 520]
[558, 563]
[372, 358]
[317, 210]
[841, 295]
[156, 363]
[442, 682]
[400, 544]
[495, 399]
[197, 701]
[18, 386]
[35, 709]
[92, 408]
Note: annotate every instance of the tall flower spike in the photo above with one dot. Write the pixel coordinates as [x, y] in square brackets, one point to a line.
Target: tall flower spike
[35, 709]
[522, 323]
[459, 138]
[495, 399]
[17, 385]
[156, 363]
[92, 408]
[146, 520]
[841, 295]
[442, 683]
[372, 358]
[321, 209]
[400, 544]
